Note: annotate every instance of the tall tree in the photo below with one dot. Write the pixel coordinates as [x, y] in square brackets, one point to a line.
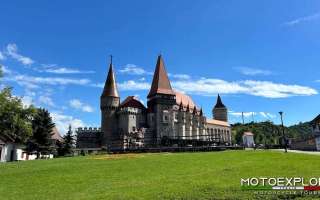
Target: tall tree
[68, 141]
[42, 127]
[15, 118]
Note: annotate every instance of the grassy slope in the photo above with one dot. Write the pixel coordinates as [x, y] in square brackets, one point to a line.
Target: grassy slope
[150, 176]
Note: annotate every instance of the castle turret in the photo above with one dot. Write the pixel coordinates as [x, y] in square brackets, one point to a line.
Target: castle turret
[161, 99]
[220, 111]
[109, 104]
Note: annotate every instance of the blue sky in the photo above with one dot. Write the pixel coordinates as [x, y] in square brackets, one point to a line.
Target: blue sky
[261, 56]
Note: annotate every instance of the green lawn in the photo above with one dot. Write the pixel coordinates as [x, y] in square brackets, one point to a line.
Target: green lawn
[209, 175]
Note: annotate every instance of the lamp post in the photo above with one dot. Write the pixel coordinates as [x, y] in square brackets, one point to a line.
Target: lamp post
[283, 134]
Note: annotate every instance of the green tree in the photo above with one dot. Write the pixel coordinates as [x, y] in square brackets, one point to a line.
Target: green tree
[68, 142]
[15, 119]
[42, 127]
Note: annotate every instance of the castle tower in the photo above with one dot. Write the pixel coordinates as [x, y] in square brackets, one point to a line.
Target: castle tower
[109, 104]
[161, 99]
[182, 121]
[220, 111]
[189, 118]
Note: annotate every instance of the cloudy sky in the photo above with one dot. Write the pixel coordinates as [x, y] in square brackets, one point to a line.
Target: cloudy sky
[261, 56]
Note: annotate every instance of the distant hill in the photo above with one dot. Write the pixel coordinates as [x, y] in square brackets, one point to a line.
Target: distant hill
[269, 133]
[301, 130]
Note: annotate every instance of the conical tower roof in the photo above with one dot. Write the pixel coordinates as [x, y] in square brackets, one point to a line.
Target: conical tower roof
[219, 103]
[194, 110]
[188, 108]
[160, 83]
[201, 113]
[110, 86]
[181, 106]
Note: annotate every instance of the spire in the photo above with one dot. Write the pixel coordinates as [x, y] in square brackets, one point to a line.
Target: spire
[201, 113]
[110, 86]
[181, 106]
[219, 103]
[160, 83]
[188, 108]
[194, 110]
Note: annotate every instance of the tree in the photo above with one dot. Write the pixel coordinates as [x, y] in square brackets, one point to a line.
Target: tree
[15, 119]
[42, 127]
[68, 142]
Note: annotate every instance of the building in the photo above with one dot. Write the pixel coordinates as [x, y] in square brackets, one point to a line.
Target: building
[170, 116]
[12, 151]
[311, 143]
[248, 139]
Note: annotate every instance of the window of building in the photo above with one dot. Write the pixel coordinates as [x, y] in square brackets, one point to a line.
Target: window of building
[133, 128]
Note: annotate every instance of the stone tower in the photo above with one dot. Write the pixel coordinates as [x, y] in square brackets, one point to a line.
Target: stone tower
[109, 104]
[220, 111]
[161, 99]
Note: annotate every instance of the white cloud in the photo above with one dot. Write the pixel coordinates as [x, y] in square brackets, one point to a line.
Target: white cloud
[77, 104]
[33, 82]
[250, 114]
[46, 100]
[276, 90]
[134, 70]
[129, 85]
[267, 115]
[63, 121]
[205, 86]
[252, 71]
[210, 87]
[26, 101]
[12, 51]
[62, 70]
[302, 19]
[5, 69]
[245, 114]
[133, 85]
[2, 57]
[179, 76]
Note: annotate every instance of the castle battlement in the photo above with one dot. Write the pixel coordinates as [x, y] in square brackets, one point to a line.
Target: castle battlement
[131, 111]
[88, 130]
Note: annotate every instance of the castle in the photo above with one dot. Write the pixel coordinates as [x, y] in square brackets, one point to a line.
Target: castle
[170, 118]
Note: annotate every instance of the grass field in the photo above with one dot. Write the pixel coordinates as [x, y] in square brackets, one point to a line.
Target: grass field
[209, 175]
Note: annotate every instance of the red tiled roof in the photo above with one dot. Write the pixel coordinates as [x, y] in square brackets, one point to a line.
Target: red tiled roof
[185, 100]
[132, 102]
[218, 122]
[56, 135]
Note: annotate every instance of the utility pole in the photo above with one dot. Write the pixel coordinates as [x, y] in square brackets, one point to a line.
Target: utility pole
[283, 134]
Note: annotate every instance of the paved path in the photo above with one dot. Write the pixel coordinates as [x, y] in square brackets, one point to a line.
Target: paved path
[298, 151]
